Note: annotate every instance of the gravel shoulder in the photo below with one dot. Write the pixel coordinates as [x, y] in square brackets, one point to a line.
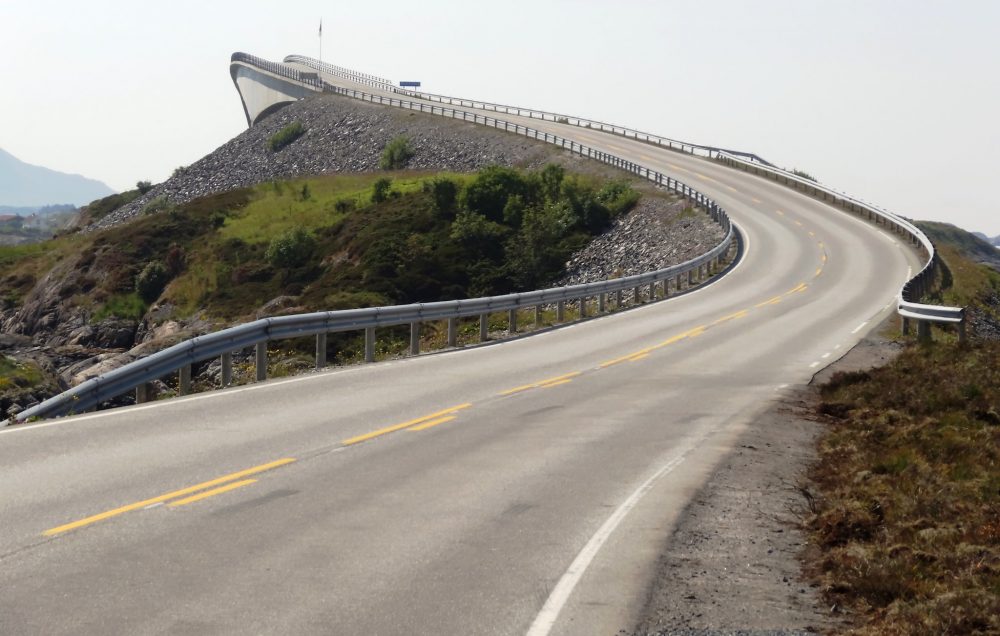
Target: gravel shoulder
[733, 564]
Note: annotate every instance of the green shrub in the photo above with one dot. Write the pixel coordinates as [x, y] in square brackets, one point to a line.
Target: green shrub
[150, 282]
[618, 196]
[380, 189]
[803, 174]
[143, 186]
[488, 193]
[129, 306]
[445, 194]
[290, 249]
[286, 136]
[396, 154]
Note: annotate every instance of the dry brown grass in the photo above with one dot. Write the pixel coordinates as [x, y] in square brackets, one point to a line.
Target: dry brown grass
[908, 516]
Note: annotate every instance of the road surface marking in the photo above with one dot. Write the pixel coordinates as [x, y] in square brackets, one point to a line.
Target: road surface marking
[814, 365]
[859, 327]
[773, 301]
[819, 270]
[731, 188]
[560, 594]
[703, 177]
[211, 493]
[780, 212]
[407, 424]
[755, 200]
[811, 233]
[825, 355]
[541, 384]
[736, 316]
[801, 288]
[170, 495]
[799, 223]
[432, 423]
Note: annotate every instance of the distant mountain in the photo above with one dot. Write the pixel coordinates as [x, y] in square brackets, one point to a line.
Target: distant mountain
[975, 248]
[25, 185]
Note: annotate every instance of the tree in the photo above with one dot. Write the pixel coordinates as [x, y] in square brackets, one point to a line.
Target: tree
[143, 186]
[290, 249]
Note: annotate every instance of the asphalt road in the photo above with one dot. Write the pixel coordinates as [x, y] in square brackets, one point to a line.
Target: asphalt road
[525, 487]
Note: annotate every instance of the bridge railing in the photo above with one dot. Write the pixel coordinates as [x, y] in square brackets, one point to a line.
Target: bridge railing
[572, 120]
[908, 303]
[278, 69]
[180, 357]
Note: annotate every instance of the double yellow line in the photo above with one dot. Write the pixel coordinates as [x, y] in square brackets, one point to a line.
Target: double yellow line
[559, 380]
[417, 424]
[204, 490]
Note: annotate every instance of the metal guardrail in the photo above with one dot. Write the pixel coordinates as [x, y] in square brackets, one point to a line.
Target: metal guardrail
[275, 68]
[630, 133]
[908, 303]
[180, 357]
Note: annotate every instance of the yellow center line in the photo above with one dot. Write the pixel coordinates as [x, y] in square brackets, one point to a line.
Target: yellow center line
[799, 223]
[703, 177]
[641, 356]
[552, 384]
[736, 316]
[170, 495]
[773, 301]
[427, 425]
[811, 233]
[677, 167]
[540, 383]
[801, 287]
[780, 212]
[407, 424]
[755, 200]
[819, 270]
[823, 257]
[731, 188]
[211, 493]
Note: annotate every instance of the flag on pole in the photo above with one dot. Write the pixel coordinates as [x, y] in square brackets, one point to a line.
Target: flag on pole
[321, 28]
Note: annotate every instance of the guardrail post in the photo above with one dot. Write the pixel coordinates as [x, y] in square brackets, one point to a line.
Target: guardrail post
[600, 303]
[961, 332]
[677, 283]
[690, 277]
[652, 291]
[369, 344]
[561, 311]
[618, 299]
[583, 308]
[636, 297]
[906, 326]
[484, 327]
[452, 332]
[414, 338]
[142, 393]
[512, 321]
[227, 369]
[538, 316]
[261, 361]
[923, 331]
[184, 380]
[320, 350]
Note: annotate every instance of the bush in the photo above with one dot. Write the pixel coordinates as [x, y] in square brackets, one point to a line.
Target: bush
[290, 249]
[396, 154]
[286, 136]
[380, 190]
[445, 194]
[618, 197]
[143, 186]
[803, 174]
[490, 190]
[151, 281]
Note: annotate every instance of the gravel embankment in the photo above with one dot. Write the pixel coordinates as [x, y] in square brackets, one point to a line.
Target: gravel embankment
[342, 135]
[657, 233]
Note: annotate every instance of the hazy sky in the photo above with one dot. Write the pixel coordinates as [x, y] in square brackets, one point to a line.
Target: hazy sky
[896, 102]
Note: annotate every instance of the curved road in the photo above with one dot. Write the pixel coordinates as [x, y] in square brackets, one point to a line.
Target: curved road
[525, 487]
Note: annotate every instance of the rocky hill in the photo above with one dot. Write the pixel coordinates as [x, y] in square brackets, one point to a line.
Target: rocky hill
[69, 309]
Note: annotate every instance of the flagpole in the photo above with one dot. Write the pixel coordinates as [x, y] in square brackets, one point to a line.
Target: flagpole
[321, 39]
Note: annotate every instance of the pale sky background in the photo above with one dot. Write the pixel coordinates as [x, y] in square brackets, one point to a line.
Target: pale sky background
[896, 102]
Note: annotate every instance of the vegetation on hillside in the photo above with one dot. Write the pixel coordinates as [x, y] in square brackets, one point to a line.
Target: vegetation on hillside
[332, 242]
[908, 510]
[282, 138]
[396, 154]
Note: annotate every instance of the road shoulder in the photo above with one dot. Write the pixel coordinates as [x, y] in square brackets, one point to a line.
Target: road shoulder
[733, 563]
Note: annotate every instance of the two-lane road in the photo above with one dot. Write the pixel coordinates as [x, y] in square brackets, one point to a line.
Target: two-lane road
[493, 490]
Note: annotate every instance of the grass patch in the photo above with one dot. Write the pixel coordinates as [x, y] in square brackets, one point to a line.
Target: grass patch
[285, 137]
[128, 306]
[907, 517]
[14, 374]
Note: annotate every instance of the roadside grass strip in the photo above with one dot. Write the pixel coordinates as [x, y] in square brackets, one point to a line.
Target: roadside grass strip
[417, 424]
[174, 495]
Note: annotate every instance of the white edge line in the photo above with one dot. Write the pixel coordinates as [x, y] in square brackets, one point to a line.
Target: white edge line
[814, 365]
[560, 594]
[859, 327]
